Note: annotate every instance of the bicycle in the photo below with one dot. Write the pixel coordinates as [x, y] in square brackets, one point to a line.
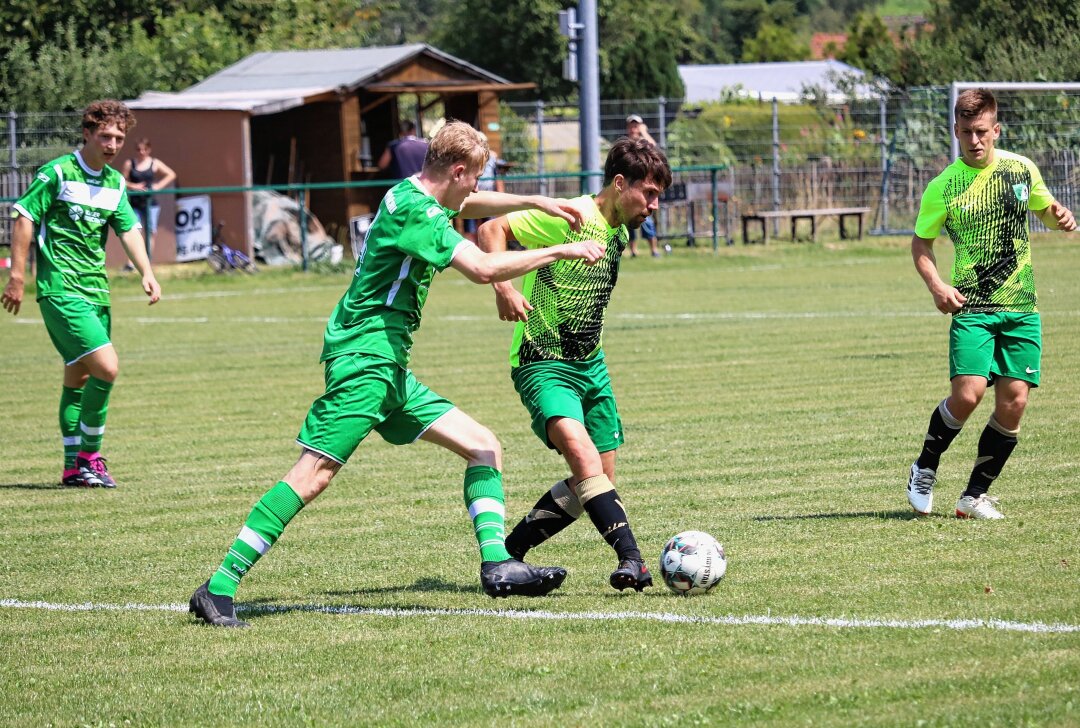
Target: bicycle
[223, 259]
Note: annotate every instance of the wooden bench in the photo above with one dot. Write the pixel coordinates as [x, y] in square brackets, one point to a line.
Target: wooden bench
[812, 215]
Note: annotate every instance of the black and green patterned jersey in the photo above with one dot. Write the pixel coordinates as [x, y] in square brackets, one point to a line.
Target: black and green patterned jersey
[568, 297]
[409, 240]
[985, 212]
[72, 207]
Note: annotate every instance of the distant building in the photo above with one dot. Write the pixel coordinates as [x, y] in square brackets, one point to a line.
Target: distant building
[765, 81]
[827, 45]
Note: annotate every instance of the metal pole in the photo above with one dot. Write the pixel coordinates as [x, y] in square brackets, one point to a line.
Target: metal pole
[12, 146]
[661, 130]
[955, 145]
[776, 164]
[590, 93]
[715, 211]
[540, 145]
[303, 228]
[884, 164]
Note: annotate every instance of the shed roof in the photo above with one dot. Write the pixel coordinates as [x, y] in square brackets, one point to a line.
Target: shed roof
[783, 81]
[272, 81]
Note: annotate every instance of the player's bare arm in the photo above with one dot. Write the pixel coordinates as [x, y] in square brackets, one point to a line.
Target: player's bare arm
[492, 237]
[132, 241]
[1057, 217]
[21, 234]
[946, 298]
[481, 267]
[486, 203]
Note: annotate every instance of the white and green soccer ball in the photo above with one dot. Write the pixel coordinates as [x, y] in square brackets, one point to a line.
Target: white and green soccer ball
[692, 562]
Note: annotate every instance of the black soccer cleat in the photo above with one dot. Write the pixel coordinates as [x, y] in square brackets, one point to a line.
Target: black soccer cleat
[214, 609]
[510, 577]
[631, 574]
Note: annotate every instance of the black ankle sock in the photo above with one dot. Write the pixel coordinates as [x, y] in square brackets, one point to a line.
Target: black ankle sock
[545, 520]
[939, 436]
[608, 515]
[995, 447]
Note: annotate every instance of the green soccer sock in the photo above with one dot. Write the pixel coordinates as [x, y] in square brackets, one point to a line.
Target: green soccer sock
[262, 529]
[484, 499]
[95, 405]
[70, 406]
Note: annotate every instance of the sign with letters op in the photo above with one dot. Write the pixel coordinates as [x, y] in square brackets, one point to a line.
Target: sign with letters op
[193, 230]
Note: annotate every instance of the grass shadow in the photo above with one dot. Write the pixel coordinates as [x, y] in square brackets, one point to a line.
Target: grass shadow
[34, 486]
[426, 584]
[894, 515]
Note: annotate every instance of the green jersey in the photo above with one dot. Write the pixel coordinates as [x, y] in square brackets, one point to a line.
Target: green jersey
[70, 206]
[409, 241]
[568, 297]
[985, 212]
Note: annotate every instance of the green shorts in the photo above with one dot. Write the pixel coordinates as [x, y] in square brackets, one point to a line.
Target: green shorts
[996, 345]
[580, 390]
[365, 393]
[76, 326]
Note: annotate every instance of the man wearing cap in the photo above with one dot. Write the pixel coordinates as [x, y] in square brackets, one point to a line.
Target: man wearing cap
[636, 129]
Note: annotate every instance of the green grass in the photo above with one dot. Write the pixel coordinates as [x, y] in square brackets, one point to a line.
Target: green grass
[773, 397]
[903, 8]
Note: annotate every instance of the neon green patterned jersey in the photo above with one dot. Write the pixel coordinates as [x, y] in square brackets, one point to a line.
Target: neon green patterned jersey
[409, 240]
[70, 205]
[568, 297]
[985, 212]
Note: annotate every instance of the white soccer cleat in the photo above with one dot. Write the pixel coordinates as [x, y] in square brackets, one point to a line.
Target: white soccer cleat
[920, 489]
[983, 508]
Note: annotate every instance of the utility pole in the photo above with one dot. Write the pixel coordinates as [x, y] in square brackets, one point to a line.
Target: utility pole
[584, 68]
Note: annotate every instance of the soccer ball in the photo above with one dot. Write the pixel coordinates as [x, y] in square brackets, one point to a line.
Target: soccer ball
[692, 562]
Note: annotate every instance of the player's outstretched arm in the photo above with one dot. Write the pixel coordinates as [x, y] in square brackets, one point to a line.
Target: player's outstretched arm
[492, 204]
[946, 298]
[492, 237]
[132, 240]
[481, 267]
[21, 234]
[1057, 217]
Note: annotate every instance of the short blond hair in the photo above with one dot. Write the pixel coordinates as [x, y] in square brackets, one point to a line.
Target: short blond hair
[975, 102]
[456, 143]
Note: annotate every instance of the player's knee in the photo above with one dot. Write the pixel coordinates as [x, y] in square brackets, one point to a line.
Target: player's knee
[485, 446]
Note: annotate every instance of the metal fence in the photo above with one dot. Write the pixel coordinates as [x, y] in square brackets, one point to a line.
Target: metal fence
[872, 152]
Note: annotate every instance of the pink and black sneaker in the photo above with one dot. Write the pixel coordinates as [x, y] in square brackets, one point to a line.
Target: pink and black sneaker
[74, 478]
[93, 468]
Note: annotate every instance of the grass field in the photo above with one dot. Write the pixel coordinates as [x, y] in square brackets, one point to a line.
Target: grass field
[773, 397]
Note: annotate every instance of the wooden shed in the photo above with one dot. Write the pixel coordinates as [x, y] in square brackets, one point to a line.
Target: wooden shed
[306, 116]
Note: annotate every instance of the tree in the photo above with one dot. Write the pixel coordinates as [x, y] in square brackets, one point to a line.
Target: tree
[869, 46]
[516, 39]
[774, 43]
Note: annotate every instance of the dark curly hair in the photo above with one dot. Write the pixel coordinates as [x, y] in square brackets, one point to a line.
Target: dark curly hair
[108, 111]
[637, 160]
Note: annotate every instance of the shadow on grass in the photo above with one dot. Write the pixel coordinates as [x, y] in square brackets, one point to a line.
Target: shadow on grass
[427, 584]
[35, 486]
[896, 515]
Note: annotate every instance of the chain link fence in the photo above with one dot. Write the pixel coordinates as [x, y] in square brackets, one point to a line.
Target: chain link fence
[737, 156]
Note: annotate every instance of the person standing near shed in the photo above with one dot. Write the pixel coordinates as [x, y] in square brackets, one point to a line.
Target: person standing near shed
[404, 156]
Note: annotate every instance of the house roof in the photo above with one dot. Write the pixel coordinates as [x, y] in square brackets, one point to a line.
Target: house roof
[273, 81]
[782, 81]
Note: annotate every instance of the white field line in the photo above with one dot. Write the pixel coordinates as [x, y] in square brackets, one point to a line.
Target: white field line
[729, 620]
[699, 316]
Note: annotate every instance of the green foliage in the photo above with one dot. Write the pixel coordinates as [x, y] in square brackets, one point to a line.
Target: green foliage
[869, 46]
[741, 130]
[640, 60]
[774, 43]
[516, 39]
[521, 149]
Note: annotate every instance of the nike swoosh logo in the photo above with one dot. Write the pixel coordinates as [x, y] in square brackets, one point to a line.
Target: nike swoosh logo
[1029, 370]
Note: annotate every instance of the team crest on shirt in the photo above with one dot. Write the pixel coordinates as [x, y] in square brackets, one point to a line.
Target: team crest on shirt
[76, 213]
[1021, 191]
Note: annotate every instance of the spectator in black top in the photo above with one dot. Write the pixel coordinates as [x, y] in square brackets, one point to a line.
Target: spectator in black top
[145, 173]
[404, 156]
